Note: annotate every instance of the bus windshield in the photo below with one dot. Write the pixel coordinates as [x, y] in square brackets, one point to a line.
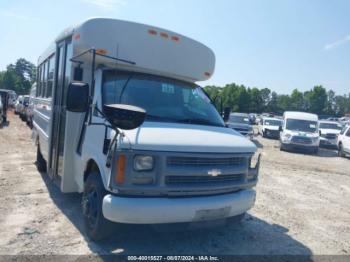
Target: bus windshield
[301, 125]
[163, 99]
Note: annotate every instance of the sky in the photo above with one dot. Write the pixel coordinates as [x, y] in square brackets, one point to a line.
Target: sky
[278, 44]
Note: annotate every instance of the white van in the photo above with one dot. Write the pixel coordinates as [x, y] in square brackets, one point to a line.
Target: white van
[119, 118]
[269, 127]
[299, 132]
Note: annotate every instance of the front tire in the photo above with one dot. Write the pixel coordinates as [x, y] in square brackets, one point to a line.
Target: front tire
[341, 151]
[40, 161]
[97, 226]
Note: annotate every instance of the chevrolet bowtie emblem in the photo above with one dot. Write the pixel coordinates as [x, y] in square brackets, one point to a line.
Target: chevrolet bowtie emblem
[214, 172]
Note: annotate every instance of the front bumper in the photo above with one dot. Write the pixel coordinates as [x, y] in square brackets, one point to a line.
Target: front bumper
[299, 147]
[176, 210]
[328, 143]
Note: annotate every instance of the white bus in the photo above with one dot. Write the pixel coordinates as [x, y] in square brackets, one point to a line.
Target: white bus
[118, 117]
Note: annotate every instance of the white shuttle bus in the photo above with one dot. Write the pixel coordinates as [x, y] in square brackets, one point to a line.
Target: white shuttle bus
[119, 118]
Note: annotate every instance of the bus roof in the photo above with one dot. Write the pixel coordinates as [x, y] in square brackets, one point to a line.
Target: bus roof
[152, 49]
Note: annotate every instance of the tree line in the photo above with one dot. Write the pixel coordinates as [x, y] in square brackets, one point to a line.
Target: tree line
[318, 100]
[18, 76]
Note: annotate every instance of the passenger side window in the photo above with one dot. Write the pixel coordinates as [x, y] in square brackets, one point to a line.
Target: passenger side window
[343, 131]
[348, 133]
[112, 89]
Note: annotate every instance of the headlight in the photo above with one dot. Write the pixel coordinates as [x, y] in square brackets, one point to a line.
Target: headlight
[254, 165]
[143, 163]
[315, 139]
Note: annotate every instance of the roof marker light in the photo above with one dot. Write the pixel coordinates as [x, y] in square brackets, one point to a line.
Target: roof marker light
[175, 38]
[165, 35]
[152, 32]
[101, 51]
[76, 36]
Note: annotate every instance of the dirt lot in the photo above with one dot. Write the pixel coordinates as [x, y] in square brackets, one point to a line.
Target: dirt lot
[302, 207]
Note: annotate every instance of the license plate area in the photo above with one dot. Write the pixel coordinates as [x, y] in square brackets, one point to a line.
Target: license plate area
[212, 214]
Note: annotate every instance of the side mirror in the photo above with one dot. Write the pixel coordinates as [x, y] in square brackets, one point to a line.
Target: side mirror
[280, 128]
[227, 111]
[78, 97]
[125, 117]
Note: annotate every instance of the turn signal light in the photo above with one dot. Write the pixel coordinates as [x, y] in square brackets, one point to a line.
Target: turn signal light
[120, 174]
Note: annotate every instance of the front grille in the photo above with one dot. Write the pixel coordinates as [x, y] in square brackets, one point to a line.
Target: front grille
[175, 180]
[331, 136]
[199, 161]
[301, 140]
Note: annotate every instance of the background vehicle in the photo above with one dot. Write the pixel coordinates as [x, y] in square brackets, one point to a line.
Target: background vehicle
[299, 132]
[1, 110]
[177, 163]
[4, 94]
[240, 122]
[29, 110]
[344, 142]
[18, 104]
[270, 127]
[23, 108]
[329, 131]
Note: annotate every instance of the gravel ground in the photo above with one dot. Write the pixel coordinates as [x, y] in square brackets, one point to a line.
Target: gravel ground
[302, 208]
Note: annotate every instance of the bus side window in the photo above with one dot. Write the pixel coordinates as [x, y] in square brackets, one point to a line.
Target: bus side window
[39, 81]
[50, 79]
[42, 85]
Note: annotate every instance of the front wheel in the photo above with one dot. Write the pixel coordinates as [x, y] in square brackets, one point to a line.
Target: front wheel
[341, 151]
[97, 226]
[40, 161]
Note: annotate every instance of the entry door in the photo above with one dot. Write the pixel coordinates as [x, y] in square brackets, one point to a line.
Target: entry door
[63, 76]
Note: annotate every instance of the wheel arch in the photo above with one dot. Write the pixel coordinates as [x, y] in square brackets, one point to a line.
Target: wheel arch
[92, 166]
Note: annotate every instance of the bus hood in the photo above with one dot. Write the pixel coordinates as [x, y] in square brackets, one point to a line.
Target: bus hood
[173, 137]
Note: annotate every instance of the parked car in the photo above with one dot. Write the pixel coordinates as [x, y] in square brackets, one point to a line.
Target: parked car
[1, 111]
[329, 131]
[240, 122]
[4, 95]
[23, 108]
[30, 108]
[270, 127]
[344, 142]
[300, 132]
[18, 104]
